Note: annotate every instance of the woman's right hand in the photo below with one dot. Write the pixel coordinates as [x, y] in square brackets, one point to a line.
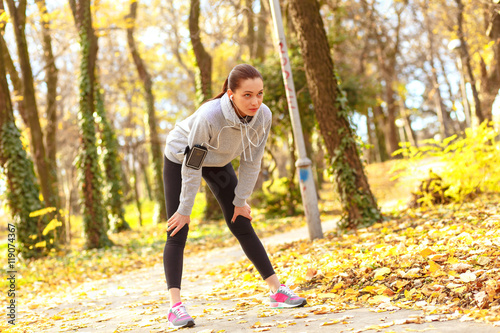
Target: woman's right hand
[177, 222]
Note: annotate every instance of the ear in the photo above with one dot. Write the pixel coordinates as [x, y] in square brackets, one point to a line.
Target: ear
[229, 93]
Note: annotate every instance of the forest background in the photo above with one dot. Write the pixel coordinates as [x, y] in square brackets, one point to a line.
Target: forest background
[91, 89]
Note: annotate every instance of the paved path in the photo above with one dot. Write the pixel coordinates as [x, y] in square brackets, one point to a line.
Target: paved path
[137, 302]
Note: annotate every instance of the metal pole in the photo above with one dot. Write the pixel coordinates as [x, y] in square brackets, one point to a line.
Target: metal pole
[307, 186]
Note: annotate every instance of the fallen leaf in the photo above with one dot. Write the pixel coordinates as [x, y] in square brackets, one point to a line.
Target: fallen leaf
[483, 261]
[332, 322]
[311, 272]
[301, 315]
[380, 273]
[467, 277]
[426, 252]
[433, 267]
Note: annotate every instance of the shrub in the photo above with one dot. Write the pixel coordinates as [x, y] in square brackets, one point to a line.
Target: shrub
[468, 165]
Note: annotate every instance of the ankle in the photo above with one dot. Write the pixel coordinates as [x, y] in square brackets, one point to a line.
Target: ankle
[176, 304]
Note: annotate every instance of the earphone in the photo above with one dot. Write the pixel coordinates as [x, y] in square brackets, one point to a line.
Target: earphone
[231, 98]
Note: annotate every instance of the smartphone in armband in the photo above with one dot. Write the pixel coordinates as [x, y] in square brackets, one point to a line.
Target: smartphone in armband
[195, 156]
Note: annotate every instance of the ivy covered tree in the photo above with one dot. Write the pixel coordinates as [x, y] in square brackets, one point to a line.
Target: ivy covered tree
[90, 179]
[33, 237]
[47, 174]
[330, 106]
[113, 185]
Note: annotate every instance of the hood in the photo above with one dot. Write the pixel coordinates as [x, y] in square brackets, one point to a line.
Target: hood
[250, 130]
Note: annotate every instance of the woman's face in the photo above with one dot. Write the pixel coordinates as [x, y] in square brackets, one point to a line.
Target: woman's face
[248, 97]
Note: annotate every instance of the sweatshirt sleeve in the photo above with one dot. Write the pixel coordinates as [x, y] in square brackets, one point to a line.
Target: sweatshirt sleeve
[191, 178]
[249, 171]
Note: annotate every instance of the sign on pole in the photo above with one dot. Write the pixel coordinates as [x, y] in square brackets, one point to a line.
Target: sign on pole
[307, 186]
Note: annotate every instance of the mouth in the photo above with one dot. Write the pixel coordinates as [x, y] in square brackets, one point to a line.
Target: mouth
[254, 110]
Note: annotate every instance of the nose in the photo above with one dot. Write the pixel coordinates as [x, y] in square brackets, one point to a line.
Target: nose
[255, 101]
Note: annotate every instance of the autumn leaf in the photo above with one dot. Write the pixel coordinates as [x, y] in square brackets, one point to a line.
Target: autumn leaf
[331, 322]
[380, 273]
[426, 252]
[433, 267]
[467, 277]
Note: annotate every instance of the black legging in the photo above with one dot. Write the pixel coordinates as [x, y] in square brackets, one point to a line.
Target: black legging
[222, 182]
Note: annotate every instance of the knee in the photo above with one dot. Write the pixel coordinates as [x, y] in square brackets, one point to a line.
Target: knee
[241, 226]
[179, 239]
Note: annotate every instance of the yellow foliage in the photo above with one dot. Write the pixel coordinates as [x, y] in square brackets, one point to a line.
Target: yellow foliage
[42, 211]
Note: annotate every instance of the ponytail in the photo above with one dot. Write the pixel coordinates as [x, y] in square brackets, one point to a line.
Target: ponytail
[224, 90]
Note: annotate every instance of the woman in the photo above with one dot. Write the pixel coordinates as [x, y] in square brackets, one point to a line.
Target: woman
[233, 123]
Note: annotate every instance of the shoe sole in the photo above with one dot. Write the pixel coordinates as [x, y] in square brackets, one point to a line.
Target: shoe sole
[285, 305]
[188, 324]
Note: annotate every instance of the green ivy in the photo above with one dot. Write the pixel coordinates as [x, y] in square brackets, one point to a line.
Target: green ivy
[87, 162]
[23, 196]
[345, 175]
[110, 160]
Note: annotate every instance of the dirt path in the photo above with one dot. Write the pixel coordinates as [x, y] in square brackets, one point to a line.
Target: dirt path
[137, 302]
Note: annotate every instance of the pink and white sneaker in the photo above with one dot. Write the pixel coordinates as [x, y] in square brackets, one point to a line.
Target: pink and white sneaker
[285, 298]
[178, 317]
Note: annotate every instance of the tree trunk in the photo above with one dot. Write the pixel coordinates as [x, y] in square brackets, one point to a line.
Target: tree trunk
[94, 218]
[260, 51]
[22, 189]
[379, 121]
[373, 154]
[203, 90]
[14, 78]
[491, 81]
[156, 145]
[443, 116]
[391, 136]
[466, 60]
[358, 203]
[178, 40]
[113, 187]
[457, 124]
[43, 167]
[51, 109]
[203, 59]
[249, 15]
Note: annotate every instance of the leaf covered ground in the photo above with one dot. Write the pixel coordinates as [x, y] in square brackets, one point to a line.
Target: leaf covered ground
[444, 260]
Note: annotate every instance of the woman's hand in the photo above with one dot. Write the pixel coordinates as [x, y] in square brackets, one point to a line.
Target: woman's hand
[177, 222]
[244, 211]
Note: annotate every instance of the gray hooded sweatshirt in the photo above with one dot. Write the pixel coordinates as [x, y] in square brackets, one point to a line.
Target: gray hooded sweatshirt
[216, 126]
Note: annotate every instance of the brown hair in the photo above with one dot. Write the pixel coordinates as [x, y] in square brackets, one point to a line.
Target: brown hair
[238, 73]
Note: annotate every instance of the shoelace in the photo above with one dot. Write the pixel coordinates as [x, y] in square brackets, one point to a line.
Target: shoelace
[287, 291]
[180, 311]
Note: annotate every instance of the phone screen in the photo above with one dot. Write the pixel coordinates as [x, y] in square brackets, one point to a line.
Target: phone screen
[196, 157]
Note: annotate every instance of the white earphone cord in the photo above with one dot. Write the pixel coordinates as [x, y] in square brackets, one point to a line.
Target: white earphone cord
[250, 143]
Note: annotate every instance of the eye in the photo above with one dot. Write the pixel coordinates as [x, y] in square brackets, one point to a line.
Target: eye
[247, 95]
[261, 93]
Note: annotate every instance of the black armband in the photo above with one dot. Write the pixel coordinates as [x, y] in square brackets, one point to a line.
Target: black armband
[195, 156]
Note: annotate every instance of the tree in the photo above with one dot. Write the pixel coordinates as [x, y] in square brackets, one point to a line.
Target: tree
[466, 60]
[51, 106]
[358, 203]
[23, 192]
[490, 80]
[113, 189]
[442, 113]
[46, 174]
[203, 88]
[94, 218]
[156, 150]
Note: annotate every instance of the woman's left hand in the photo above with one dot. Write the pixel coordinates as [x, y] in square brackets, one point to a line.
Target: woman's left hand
[244, 211]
